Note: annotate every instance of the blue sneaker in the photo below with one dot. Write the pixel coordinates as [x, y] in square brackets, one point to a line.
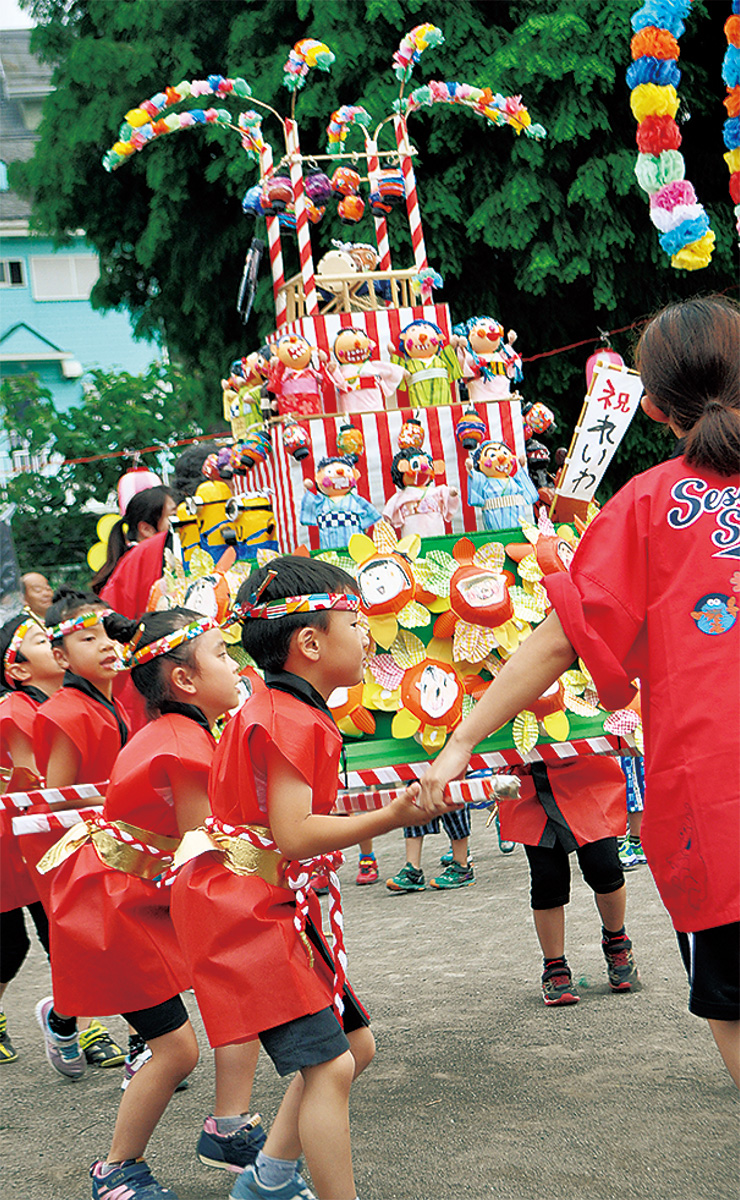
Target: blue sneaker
[248, 1187]
[63, 1053]
[130, 1180]
[230, 1151]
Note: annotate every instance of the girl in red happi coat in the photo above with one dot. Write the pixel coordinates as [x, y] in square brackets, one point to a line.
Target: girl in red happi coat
[113, 944]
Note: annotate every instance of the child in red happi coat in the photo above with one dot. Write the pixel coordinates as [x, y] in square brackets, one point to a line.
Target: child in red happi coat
[77, 736]
[111, 936]
[29, 674]
[248, 922]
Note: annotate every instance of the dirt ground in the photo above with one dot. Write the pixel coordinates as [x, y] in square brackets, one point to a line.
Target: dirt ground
[477, 1089]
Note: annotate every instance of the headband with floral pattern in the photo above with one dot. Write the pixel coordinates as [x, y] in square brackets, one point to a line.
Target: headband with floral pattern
[84, 620]
[134, 657]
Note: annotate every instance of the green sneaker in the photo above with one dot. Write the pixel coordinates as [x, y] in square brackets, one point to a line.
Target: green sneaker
[635, 846]
[408, 879]
[454, 876]
[446, 859]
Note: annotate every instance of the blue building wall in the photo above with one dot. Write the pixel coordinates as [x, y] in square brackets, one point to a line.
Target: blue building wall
[91, 338]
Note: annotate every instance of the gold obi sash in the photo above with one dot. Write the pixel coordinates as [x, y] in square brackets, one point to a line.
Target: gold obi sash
[146, 856]
[237, 854]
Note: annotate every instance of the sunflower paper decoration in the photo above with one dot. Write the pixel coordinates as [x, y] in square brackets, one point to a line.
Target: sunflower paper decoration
[435, 692]
[384, 568]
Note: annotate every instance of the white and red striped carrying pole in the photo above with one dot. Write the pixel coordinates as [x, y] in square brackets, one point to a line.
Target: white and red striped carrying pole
[412, 198]
[274, 244]
[301, 219]
[485, 791]
[51, 822]
[74, 796]
[381, 225]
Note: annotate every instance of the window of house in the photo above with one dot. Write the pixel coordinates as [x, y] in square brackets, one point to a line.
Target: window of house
[3, 176]
[12, 273]
[63, 276]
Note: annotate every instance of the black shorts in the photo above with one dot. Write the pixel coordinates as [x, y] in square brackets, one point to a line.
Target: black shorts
[712, 961]
[549, 869]
[319, 1037]
[161, 1018]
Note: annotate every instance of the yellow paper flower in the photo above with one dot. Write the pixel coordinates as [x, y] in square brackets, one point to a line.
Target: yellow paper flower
[697, 254]
[652, 100]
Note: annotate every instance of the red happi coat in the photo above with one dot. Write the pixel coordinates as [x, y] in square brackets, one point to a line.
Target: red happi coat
[17, 888]
[589, 793]
[94, 730]
[653, 593]
[250, 970]
[113, 945]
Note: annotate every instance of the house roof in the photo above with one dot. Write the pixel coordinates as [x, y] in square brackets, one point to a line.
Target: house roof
[23, 76]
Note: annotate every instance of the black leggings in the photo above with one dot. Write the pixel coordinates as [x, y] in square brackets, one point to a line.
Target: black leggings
[549, 871]
[14, 943]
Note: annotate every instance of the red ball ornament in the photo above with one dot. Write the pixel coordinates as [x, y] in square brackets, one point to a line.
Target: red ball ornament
[411, 436]
[296, 440]
[345, 182]
[351, 209]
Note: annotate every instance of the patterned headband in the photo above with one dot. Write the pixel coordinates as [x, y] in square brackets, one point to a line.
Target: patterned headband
[136, 658]
[84, 621]
[293, 605]
[14, 649]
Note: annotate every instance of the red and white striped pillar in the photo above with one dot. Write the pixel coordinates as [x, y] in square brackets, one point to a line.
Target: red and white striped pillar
[301, 217]
[274, 245]
[381, 225]
[412, 199]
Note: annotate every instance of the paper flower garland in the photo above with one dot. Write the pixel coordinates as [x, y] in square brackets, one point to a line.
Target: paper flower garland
[145, 123]
[340, 123]
[654, 76]
[305, 54]
[731, 128]
[411, 48]
[497, 109]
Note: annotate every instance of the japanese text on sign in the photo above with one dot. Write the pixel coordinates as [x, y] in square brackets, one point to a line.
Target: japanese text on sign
[610, 405]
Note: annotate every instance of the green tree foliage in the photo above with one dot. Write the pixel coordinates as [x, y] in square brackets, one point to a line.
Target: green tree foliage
[553, 237]
[120, 413]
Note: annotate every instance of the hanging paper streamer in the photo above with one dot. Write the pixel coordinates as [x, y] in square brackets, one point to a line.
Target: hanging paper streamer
[654, 76]
[731, 128]
[340, 124]
[498, 109]
[253, 143]
[305, 54]
[411, 48]
[145, 123]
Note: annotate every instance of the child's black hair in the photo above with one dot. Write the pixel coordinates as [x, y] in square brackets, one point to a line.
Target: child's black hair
[7, 632]
[268, 642]
[68, 602]
[144, 507]
[396, 472]
[152, 679]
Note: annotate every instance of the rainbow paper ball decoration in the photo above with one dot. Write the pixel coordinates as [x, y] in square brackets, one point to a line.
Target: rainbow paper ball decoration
[296, 440]
[470, 430]
[411, 435]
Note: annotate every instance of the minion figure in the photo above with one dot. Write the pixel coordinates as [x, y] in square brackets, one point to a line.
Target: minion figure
[715, 613]
[211, 499]
[185, 525]
[251, 524]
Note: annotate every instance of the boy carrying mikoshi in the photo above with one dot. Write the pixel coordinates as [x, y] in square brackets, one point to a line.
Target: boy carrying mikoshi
[259, 965]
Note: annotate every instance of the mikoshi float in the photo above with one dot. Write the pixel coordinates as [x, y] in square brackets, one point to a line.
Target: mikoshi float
[371, 430]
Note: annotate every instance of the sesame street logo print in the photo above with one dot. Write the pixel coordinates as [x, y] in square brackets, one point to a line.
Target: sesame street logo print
[715, 613]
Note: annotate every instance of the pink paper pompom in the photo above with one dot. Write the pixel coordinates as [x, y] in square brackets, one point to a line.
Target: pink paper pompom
[680, 191]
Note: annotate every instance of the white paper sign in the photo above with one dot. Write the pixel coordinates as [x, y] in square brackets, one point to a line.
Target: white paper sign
[610, 404]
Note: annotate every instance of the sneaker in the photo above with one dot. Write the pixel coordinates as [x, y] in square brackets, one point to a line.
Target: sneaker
[620, 963]
[636, 847]
[446, 859]
[8, 1052]
[504, 847]
[368, 872]
[138, 1054]
[129, 1180]
[454, 876]
[319, 883]
[230, 1151]
[99, 1048]
[627, 856]
[63, 1053]
[248, 1187]
[557, 986]
[408, 879]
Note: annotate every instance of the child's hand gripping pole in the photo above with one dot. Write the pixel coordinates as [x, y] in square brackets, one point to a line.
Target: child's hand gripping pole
[478, 793]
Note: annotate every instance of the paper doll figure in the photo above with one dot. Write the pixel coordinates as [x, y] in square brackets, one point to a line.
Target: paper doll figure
[419, 506]
[332, 503]
[363, 384]
[500, 487]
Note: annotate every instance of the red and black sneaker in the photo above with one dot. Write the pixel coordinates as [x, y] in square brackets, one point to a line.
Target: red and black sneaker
[620, 963]
[557, 985]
